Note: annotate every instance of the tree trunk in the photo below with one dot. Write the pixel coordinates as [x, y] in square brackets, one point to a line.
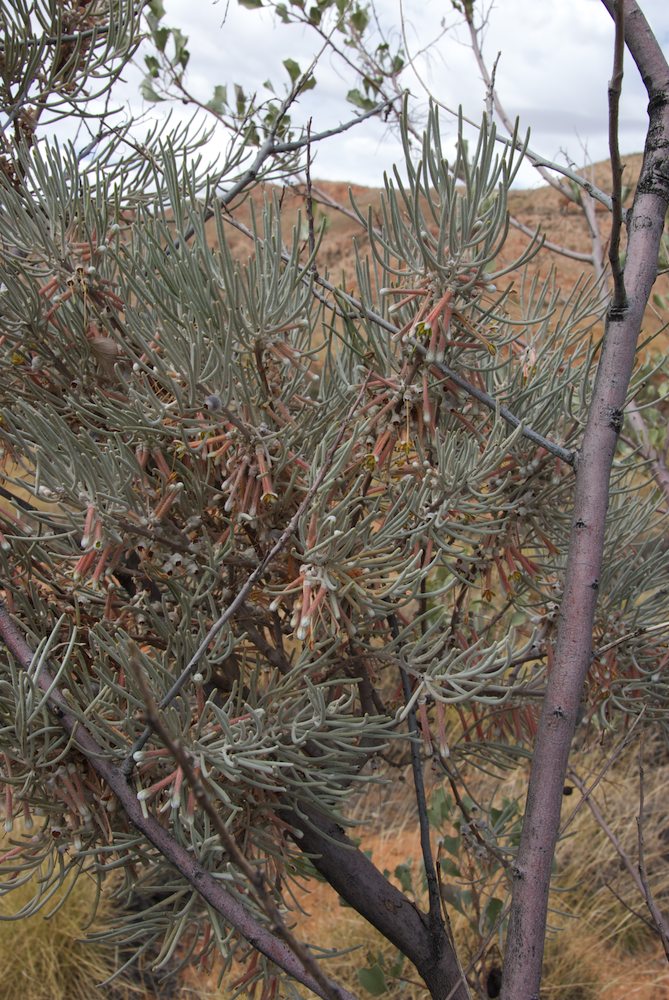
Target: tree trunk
[645, 223]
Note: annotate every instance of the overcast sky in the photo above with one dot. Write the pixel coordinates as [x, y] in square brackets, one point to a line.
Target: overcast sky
[553, 70]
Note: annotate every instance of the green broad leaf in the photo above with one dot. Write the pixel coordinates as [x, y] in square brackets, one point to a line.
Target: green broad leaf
[451, 844]
[219, 101]
[466, 897]
[157, 9]
[441, 806]
[492, 911]
[395, 969]
[282, 12]
[252, 136]
[250, 4]
[315, 14]
[373, 980]
[293, 69]
[360, 19]
[359, 100]
[453, 897]
[404, 876]
[161, 37]
[153, 66]
[309, 83]
[449, 868]
[147, 91]
[181, 53]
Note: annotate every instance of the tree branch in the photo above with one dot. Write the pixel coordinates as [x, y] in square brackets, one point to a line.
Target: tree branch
[271, 147]
[541, 163]
[353, 876]
[186, 864]
[600, 819]
[587, 197]
[323, 198]
[565, 454]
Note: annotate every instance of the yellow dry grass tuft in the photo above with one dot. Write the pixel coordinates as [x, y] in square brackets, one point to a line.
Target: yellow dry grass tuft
[45, 956]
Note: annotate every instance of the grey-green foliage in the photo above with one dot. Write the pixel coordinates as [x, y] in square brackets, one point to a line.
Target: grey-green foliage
[166, 405]
[58, 57]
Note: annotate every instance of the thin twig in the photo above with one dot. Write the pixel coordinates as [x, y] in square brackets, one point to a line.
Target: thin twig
[321, 196]
[630, 909]
[619, 301]
[270, 147]
[483, 947]
[610, 761]
[434, 895]
[310, 202]
[450, 767]
[587, 205]
[587, 797]
[642, 630]
[586, 258]
[565, 454]
[661, 928]
[585, 199]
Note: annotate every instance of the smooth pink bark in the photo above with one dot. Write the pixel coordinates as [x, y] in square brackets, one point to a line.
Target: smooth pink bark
[532, 869]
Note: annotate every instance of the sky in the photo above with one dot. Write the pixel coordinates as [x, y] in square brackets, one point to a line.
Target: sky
[554, 65]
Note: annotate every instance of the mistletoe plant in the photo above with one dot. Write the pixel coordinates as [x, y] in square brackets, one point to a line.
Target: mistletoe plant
[259, 534]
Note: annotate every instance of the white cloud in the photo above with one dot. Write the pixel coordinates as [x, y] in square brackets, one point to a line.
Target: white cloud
[553, 71]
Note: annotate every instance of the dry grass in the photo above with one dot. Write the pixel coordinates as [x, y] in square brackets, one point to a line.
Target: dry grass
[45, 956]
